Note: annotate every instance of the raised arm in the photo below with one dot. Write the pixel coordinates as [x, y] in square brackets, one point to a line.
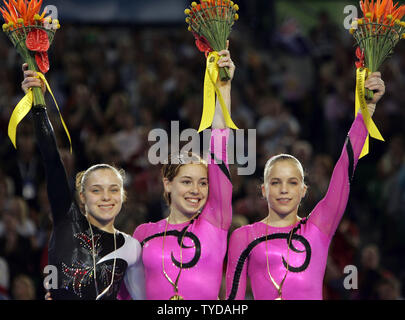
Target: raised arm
[225, 89]
[329, 211]
[59, 193]
[218, 209]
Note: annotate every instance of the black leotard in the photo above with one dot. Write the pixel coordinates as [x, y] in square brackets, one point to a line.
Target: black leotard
[70, 247]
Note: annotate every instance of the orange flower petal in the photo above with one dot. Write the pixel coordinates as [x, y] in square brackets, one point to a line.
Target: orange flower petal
[381, 9]
[6, 16]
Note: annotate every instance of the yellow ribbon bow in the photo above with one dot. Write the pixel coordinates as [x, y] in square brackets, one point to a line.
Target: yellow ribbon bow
[211, 91]
[360, 103]
[22, 109]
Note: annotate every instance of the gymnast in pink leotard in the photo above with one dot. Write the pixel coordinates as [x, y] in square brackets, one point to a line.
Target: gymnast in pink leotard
[183, 254]
[285, 256]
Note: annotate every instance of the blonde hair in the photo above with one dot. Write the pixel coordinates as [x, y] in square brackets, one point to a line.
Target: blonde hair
[282, 157]
[172, 168]
[82, 177]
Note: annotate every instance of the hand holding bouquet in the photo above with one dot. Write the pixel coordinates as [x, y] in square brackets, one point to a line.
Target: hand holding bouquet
[31, 34]
[376, 35]
[210, 22]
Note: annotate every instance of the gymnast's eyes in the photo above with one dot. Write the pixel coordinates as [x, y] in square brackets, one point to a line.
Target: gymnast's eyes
[277, 182]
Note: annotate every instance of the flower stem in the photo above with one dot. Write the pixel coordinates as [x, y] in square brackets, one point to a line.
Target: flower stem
[224, 74]
[39, 99]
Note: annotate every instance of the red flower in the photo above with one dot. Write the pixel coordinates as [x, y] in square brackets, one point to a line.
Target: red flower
[202, 43]
[37, 40]
[42, 61]
[360, 56]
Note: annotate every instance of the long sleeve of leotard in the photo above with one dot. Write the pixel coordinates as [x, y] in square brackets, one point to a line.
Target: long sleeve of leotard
[59, 193]
[329, 211]
[133, 286]
[236, 290]
[134, 278]
[218, 209]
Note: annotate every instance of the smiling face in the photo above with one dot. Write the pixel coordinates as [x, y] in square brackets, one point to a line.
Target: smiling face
[188, 190]
[284, 187]
[102, 196]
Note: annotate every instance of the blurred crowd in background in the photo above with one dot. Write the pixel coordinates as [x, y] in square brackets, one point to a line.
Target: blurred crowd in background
[114, 84]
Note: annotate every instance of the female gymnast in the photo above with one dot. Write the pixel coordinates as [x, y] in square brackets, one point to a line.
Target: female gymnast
[283, 255]
[92, 257]
[183, 254]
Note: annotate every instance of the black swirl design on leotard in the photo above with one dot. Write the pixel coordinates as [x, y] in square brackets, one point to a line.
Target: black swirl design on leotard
[222, 166]
[250, 247]
[179, 235]
[350, 155]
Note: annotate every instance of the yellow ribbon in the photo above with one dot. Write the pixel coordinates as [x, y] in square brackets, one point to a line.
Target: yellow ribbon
[20, 111]
[360, 103]
[211, 91]
[24, 106]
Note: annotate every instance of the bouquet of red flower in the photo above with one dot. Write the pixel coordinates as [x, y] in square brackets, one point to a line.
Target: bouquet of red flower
[31, 34]
[376, 35]
[211, 22]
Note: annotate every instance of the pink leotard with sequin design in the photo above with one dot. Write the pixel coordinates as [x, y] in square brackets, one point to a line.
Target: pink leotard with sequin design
[204, 244]
[310, 241]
